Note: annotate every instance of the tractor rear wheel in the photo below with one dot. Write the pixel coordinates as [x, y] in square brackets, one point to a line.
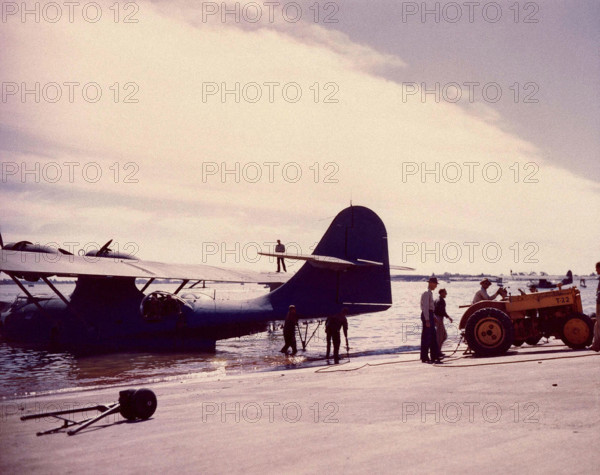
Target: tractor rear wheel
[489, 332]
[577, 331]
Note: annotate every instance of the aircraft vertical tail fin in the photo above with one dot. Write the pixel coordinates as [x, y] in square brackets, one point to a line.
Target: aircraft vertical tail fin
[348, 268]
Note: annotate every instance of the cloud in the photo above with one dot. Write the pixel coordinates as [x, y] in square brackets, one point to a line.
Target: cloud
[224, 148]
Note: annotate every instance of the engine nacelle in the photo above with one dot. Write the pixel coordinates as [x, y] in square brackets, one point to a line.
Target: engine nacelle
[27, 246]
[105, 251]
[111, 254]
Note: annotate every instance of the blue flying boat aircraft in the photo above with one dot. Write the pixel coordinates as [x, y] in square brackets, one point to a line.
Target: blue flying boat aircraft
[107, 311]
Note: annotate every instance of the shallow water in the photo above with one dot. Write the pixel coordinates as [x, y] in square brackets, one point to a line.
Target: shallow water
[27, 372]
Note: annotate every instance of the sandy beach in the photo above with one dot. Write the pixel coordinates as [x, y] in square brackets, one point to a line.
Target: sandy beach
[535, 408]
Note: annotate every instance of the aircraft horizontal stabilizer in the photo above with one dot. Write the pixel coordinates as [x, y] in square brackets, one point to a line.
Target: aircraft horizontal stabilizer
[401, 268]
[329, 262]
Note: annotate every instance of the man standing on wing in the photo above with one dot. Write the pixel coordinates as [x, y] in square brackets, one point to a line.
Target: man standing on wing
[280, 260]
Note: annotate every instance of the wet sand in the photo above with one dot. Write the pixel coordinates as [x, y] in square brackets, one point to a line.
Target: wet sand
[536, 408]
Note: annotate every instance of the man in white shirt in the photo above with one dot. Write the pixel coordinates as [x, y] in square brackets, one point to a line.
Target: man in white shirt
[482, 293]
[428, 336]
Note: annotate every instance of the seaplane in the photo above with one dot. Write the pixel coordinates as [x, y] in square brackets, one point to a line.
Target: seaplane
[544, 281]
[107, 311]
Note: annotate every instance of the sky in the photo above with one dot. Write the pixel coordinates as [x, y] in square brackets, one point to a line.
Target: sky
[200, 132]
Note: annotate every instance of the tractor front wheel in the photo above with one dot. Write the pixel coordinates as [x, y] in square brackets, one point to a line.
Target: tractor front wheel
[489, 332]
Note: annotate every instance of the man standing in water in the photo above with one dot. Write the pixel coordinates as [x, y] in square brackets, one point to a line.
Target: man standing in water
[333, 325]
[289, 330]
[428, 335]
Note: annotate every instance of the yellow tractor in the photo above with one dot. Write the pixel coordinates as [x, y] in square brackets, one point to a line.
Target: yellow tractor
[491, 327]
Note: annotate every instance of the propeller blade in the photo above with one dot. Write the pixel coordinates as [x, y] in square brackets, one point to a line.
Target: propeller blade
[104, 248]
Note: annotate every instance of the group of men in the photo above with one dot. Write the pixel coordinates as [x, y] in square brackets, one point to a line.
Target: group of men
[433, 313]
[433, 333]
[333, 326]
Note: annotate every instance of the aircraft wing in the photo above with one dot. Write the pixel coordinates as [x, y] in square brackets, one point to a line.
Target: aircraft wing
[62, 265]
[521, 278]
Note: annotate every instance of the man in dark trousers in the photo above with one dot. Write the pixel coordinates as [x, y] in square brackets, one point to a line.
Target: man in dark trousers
[440, 314]
[289, 330]
[280, 260]
[428, 334]
[333, 325]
